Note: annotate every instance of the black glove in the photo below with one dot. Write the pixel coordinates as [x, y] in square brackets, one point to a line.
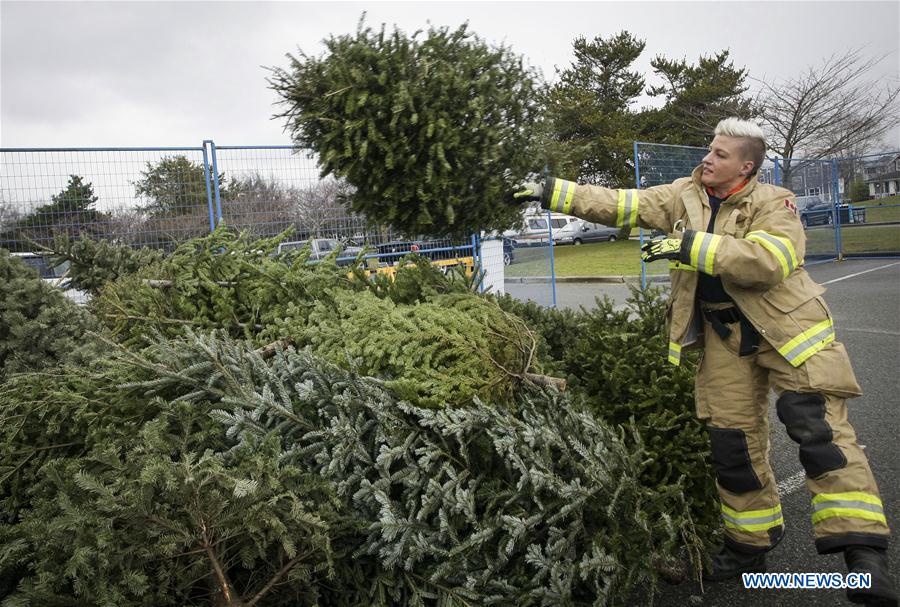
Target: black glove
[664, 248]
[525, 193]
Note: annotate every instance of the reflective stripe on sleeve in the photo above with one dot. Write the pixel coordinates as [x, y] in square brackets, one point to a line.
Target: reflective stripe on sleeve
[561, 197]
[780, 247]
[627, 210]
[703, 251]
[808, 343]
[753, 520]
[675, 353]
[853, 504]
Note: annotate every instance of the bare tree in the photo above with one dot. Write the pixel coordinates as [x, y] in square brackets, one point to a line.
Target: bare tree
[262, 205]
[830, 110]
[322, 210]
[9, 213]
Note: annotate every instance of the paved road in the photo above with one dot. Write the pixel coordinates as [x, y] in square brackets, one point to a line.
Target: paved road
[864, 297]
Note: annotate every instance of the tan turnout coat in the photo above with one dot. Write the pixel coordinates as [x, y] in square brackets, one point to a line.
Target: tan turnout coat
[756, 247]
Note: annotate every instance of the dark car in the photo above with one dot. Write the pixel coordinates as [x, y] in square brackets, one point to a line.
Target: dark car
[822, 213]
[509, 247]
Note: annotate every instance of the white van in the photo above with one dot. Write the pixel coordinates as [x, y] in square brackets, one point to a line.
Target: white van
[537, 228]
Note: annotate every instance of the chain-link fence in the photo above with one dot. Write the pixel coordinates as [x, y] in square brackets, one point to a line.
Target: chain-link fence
[159, 197]
[870, 210]
[848, 207]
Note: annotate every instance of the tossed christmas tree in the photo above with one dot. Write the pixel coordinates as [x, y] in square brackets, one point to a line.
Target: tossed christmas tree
[431, 130]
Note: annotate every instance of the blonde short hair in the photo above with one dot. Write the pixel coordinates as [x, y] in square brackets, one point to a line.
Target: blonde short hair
[754, 139]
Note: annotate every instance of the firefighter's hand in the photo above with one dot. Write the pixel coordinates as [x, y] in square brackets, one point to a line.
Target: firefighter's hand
[525, 193]
[665, 248]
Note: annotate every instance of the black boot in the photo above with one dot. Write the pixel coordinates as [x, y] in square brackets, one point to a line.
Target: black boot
[730, 563]
[867, 559]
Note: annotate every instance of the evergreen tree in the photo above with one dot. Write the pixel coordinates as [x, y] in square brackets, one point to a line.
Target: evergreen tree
[176, 186]
[93, 263]
[148, 503]
[431, 132]
[39, 326]
[696, 97]
[589, 112]
[70, 213]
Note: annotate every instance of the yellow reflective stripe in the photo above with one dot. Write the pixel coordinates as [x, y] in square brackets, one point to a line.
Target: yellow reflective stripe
[857, 496]
[703, 251]
[850, 504]
[677, 265]
[570, 193]
[752, 520]
[808, 343]
[755, 526]
[848, 513]
[627, 208]
[674, 353]
[554, 197]
[561, 198]
[751, 513]
[780, 247]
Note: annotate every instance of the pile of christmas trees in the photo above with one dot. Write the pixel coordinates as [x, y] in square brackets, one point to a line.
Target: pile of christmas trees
[231, 426]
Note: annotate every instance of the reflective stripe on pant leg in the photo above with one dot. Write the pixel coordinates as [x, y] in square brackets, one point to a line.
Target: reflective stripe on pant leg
[828, 374]
[852, 504]
[803, 414]
[753, 520]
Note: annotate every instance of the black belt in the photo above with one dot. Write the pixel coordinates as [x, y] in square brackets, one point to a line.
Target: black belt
[720, 319]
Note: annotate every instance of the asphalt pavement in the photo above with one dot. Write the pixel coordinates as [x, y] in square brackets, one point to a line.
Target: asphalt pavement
[864, 297]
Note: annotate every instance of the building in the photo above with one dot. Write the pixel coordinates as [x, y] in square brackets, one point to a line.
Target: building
[882, 175]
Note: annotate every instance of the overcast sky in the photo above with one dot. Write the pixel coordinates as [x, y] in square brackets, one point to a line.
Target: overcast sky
[77, 74]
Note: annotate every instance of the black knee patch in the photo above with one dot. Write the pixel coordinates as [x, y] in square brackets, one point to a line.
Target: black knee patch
[803, 415]
[731, 459]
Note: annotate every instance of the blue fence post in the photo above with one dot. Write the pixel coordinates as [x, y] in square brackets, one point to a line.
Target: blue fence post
[476, 260]
[209, 196]
[776, 174]
[550, 236]
[637, 185]
[836, 209]
[215, 167]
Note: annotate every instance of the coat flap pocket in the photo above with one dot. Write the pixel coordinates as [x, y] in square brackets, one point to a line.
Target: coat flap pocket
[793, 292]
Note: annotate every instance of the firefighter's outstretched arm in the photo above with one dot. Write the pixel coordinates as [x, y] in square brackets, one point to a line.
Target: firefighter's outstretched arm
[650, 208]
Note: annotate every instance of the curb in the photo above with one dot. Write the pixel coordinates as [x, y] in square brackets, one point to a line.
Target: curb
[529, 280]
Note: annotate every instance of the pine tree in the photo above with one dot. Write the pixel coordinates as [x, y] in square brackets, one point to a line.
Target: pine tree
[473, 504]
[39, 326]
[127, 497]
[69, 213]
[431, 132]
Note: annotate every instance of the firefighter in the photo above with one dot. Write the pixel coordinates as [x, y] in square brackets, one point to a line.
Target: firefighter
[738, 289]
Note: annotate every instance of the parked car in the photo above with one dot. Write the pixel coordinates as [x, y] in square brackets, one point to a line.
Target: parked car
[509, 247]
[42, 262]
[53, 275]
[815, 211]
[320, 248]
[580, 232]
[537, 228]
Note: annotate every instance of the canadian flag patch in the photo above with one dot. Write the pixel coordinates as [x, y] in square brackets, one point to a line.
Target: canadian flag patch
[790, 206]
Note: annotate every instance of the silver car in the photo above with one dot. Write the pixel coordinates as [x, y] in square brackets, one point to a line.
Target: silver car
[580, 232]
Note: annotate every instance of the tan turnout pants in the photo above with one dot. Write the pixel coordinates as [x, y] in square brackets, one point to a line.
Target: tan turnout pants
[733, 397]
